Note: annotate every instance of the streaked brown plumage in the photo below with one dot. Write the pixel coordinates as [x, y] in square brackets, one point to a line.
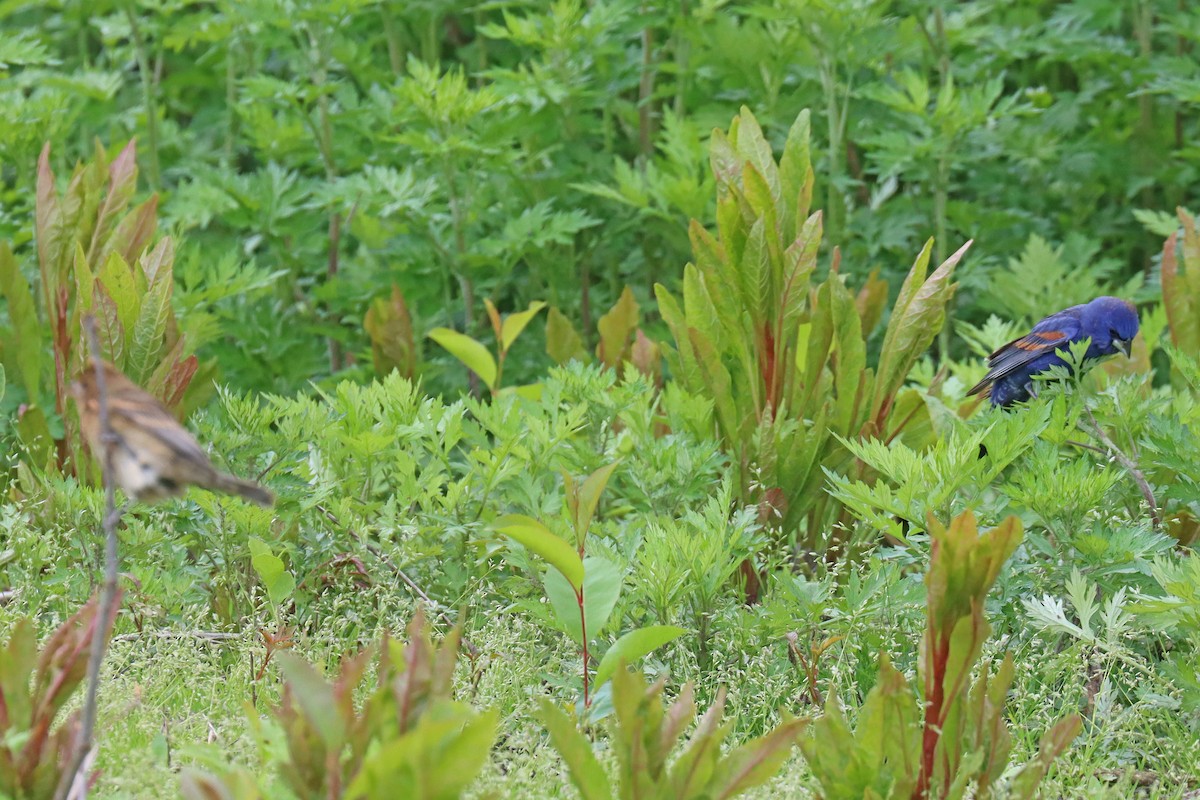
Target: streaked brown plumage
[153, 457]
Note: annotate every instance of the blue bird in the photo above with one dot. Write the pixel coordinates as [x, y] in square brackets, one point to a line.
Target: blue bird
[1111, 324]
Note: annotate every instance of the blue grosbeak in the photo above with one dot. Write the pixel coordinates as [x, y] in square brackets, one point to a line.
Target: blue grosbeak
[1111, 324]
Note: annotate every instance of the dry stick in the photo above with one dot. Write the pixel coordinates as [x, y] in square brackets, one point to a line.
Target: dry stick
[108, 593]
[1125, 461]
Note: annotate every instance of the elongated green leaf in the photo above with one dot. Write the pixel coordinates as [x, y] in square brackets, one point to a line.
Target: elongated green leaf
[795, 177]
[632, 646]
[122, 183]
[755, 762]
[315, 698]
[1053, 744]
[585, 770]
[588, 497]
[117, 278]
[147, 338]
[24, 348]
[918, 315]
[470, 352]
[515, 323]
[539, 539]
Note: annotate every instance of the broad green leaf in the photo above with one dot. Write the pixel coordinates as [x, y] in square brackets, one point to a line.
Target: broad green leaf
[539, 539]
[270, 568]
[562, 341]
[601, 587]
[389, 326]
[515, 323]
[616, 328]
[470, 352]
[585, 770]
[634, 645]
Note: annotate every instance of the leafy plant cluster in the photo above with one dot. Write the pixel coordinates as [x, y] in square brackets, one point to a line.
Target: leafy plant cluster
[740, 502]
[391, 165]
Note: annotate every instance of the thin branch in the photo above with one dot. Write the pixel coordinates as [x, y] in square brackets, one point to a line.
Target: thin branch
[105, 614]
[1132, 468]
[204, 636]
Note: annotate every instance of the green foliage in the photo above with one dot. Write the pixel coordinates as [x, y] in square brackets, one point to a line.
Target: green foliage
[783, 359]
[645, 734]
[962, 739]
[476, 357]
[35, 685]
[95, 255]
[348, 739]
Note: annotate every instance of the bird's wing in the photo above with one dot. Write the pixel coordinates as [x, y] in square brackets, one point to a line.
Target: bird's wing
[132, 414]
[1052, 333]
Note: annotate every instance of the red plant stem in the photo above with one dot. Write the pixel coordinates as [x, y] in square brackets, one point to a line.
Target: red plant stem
[933, 717]
[587, 700]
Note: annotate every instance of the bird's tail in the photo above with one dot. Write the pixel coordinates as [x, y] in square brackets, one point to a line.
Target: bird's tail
[231, 484]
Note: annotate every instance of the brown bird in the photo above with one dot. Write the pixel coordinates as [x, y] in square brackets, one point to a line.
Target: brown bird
[153, 456]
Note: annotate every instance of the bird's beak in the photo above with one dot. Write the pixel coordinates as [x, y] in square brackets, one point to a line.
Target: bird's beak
[1122, 345]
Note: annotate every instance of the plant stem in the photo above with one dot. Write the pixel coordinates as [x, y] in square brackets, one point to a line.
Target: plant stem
[587, 699]
[149, 98]
[106, 611]
[395, 51]
[646, 97]
[1130, 466]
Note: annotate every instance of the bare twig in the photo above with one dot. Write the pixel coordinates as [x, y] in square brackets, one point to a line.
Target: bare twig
[204, 636]
[1125, 461]
[105, 614]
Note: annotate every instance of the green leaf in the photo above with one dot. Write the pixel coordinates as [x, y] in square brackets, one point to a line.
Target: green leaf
[585, 770]
[27, 344]
[632, 646]
[389, 326]
[583, 500]
[470, 352]
[315, 698]
[756, 762]
[147, 339]
[270, 568]
[539, 539]
[562, 341]
[515, 323]
[616, 327]
[602, 582]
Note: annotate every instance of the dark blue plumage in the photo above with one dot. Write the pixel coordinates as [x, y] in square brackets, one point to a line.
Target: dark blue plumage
[1111, 324]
